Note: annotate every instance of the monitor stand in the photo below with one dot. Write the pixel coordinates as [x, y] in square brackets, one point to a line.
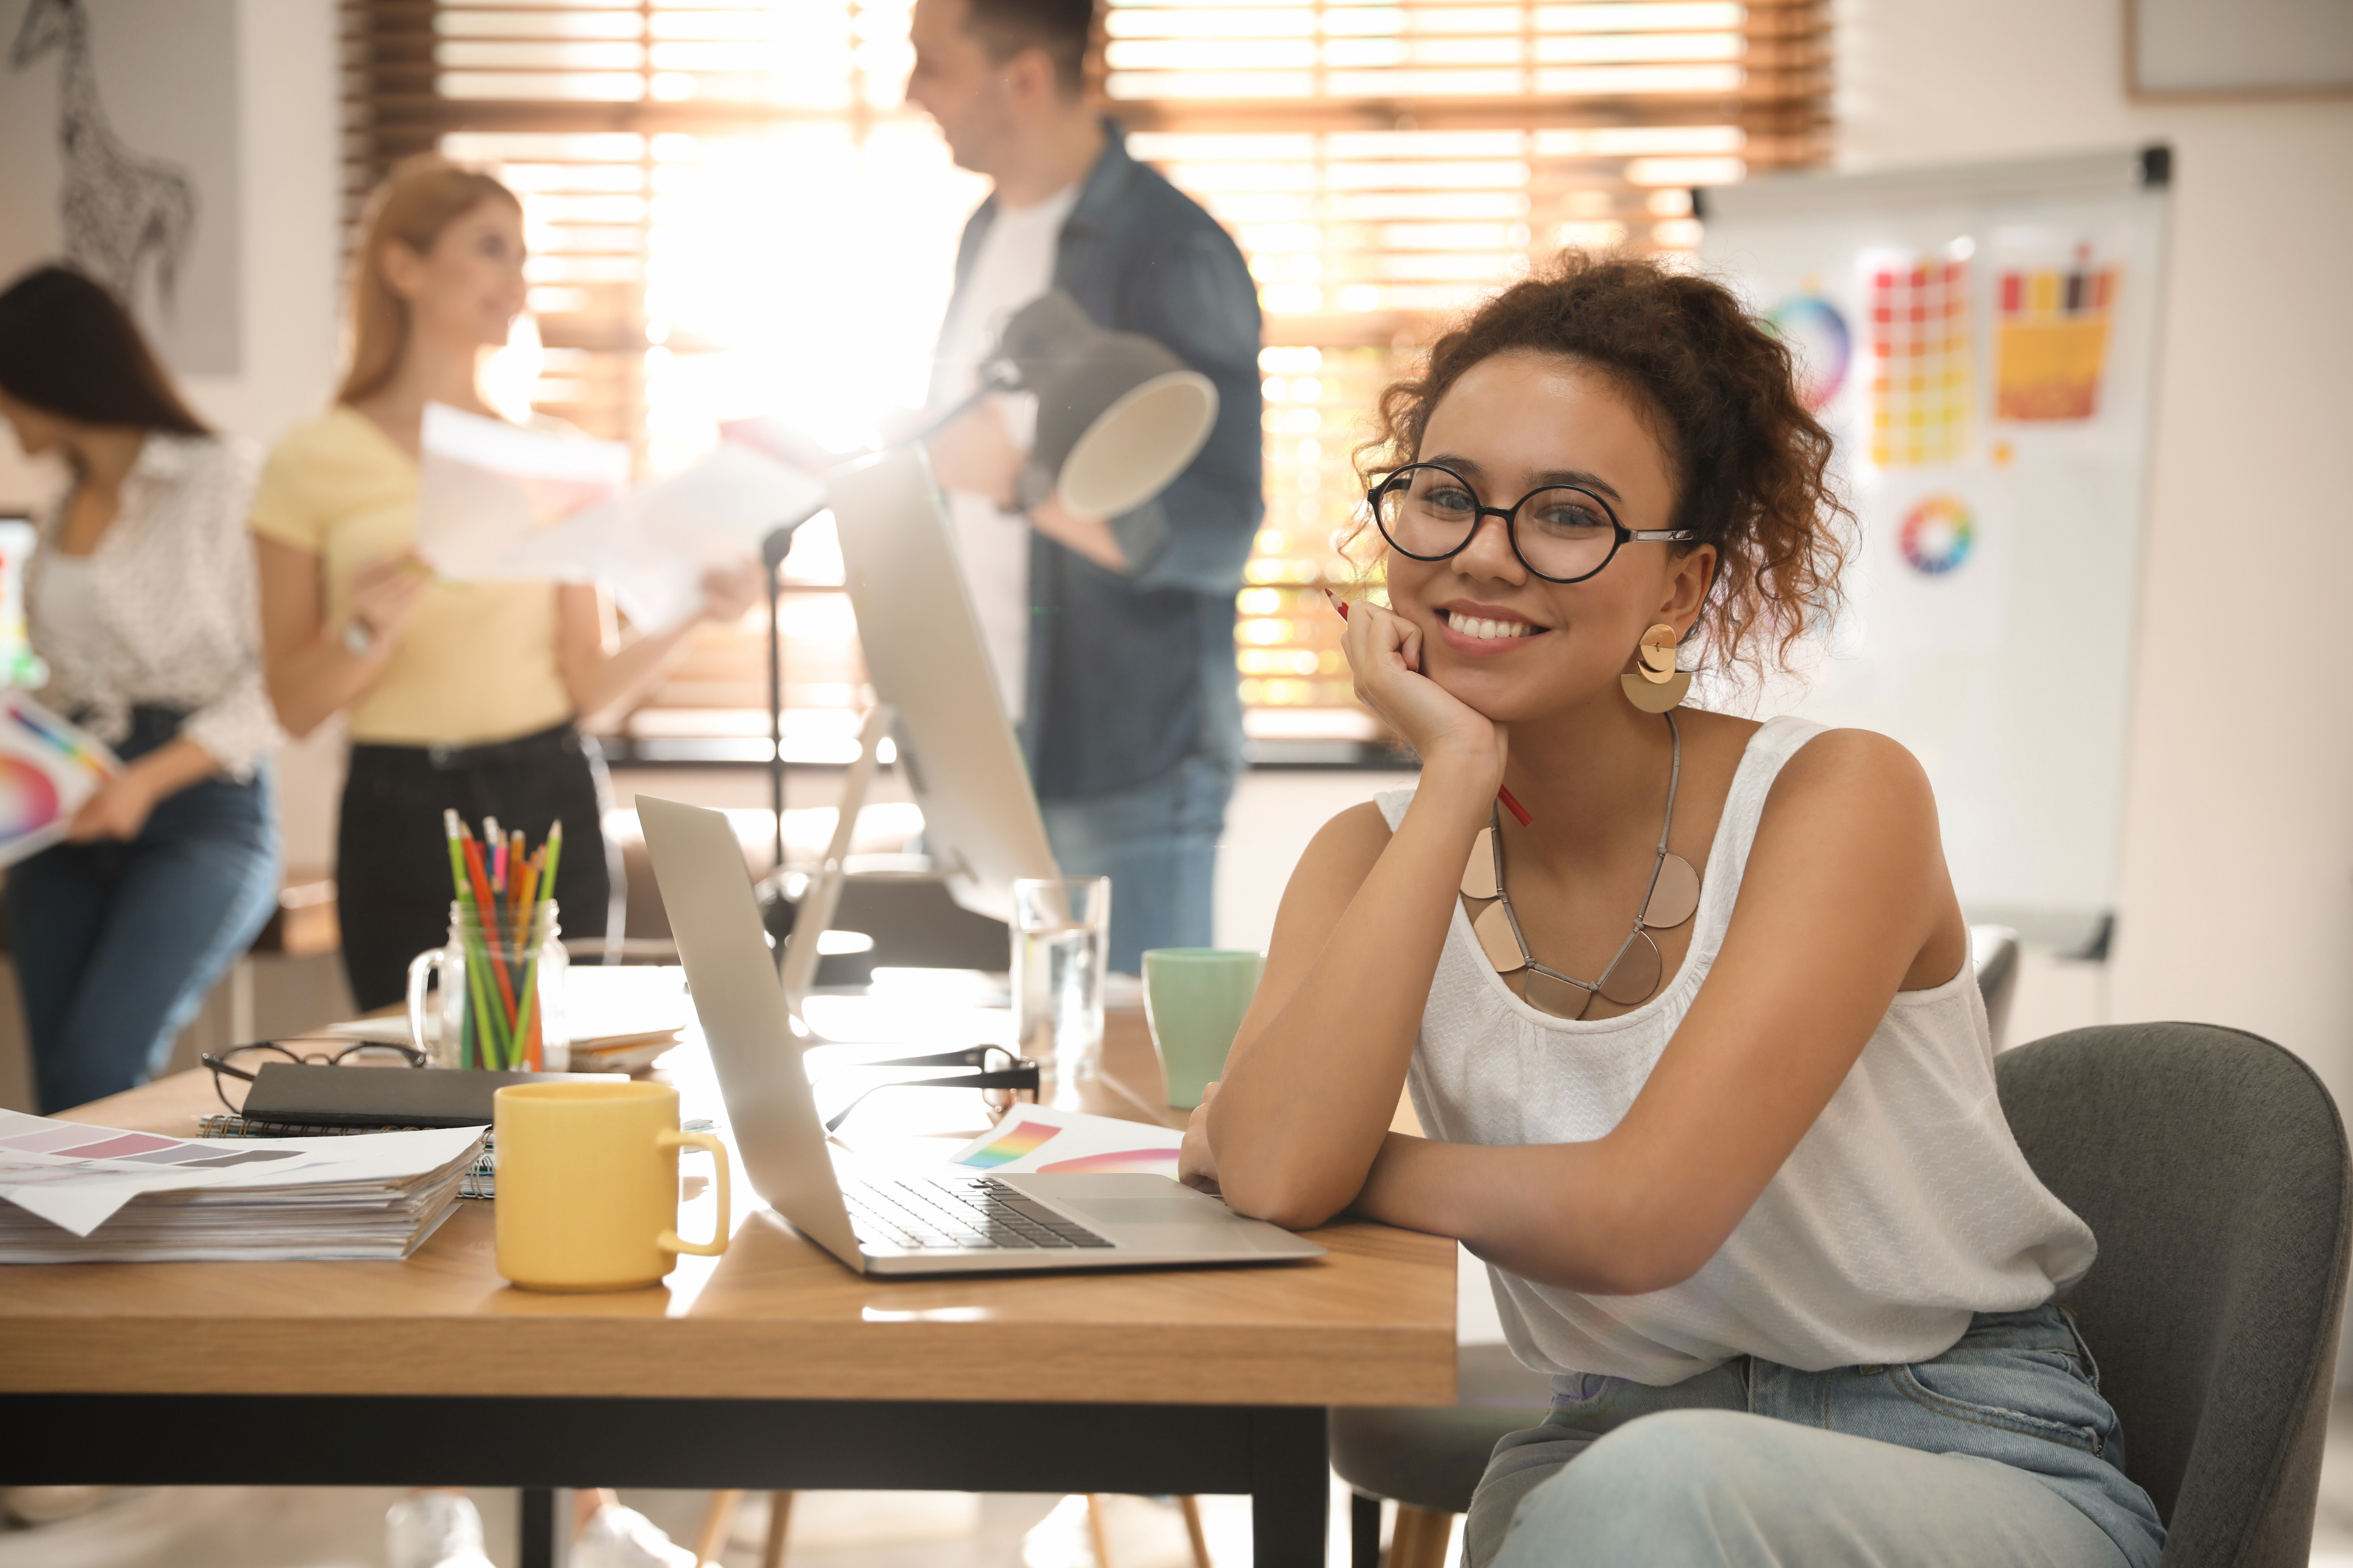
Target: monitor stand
[823, 895]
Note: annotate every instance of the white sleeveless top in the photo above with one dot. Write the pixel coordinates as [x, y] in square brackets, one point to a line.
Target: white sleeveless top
[1906, 1208]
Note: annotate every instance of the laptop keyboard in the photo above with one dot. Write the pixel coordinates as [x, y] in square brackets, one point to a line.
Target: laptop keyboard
[958, 1214]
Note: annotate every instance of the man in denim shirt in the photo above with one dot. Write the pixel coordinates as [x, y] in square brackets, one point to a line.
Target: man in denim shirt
[1113, 637]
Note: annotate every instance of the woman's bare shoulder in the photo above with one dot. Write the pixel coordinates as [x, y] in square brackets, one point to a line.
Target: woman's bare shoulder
[1356, 838]
[1843, 780]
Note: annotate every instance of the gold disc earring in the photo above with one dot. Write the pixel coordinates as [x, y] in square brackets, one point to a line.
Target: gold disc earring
[1656, 684]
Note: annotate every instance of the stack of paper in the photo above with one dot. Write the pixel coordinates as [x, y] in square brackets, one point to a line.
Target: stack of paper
[75, 1193]
[499, 504]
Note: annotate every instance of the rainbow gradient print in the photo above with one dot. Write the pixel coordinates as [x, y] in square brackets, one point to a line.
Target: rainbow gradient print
[1937, 535]
[1024, 1140]
[1143, 1161]
[28, 799]
[62, 739]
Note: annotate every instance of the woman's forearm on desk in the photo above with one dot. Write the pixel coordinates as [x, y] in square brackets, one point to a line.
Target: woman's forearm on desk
[1557, 1212]
[1333, 1029]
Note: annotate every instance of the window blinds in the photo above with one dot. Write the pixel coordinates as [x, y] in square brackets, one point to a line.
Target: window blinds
[731, 211]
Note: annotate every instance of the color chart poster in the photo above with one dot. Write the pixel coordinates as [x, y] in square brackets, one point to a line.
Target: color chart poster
[1980, 342]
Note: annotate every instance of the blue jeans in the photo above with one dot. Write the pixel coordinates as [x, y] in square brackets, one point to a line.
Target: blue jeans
[1999, 1450]
[117, 944]
[1158, 844]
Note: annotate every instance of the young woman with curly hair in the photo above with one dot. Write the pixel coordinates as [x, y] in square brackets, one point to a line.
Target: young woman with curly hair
[1700, 1058]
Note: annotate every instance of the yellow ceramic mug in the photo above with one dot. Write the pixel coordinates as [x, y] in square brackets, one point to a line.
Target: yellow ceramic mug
[587, 1185]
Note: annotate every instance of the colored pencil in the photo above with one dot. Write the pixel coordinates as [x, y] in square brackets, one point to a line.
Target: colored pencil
[544, 885]
[486, 912]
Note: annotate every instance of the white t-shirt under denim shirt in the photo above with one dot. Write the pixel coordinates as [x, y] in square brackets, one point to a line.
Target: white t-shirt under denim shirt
[1014, 266]
[1905, 1210]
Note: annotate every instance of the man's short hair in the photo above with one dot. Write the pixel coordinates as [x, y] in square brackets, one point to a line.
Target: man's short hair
[1063, 29]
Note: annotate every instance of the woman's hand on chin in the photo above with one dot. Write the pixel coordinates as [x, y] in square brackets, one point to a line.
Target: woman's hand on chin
[1454, 741]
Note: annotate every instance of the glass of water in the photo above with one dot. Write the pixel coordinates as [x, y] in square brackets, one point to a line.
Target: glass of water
[1062, 937]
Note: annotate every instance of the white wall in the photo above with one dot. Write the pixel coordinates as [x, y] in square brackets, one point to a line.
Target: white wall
[291, 137]
[2237, 897]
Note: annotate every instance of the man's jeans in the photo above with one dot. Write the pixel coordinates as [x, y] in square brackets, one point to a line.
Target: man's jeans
[1999, 1450]
[1158, 844]
[117, 944]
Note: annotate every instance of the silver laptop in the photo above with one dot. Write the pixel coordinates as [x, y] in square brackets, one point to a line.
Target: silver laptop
[941, 1223]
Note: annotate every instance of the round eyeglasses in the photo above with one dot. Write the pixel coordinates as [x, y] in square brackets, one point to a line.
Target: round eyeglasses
[1562, 533]
[239, 1064]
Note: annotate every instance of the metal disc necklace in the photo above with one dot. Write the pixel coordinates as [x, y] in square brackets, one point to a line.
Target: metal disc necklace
[1632, 975]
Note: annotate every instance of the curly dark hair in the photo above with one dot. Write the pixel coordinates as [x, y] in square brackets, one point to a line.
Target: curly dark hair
[1750, 464]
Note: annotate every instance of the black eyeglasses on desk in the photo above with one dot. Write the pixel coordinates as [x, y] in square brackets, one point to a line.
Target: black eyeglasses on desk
[238, 1064]
[1002, 1078]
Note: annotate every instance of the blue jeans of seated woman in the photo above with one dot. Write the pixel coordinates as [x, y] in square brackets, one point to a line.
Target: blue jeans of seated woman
[117, 943]
[1999, 1451]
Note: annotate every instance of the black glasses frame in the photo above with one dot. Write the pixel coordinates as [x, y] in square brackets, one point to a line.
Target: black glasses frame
[1014, 1077]
[221, 1064]
[1511, 516]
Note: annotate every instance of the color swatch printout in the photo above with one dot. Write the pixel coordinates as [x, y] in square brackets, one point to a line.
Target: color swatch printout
[2051, 341]
[1041, 1140]
[47, 768]
[1921, 349]
[77, 1177]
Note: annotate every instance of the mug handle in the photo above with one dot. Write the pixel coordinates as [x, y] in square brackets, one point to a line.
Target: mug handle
[420, 968]
[669, 1240]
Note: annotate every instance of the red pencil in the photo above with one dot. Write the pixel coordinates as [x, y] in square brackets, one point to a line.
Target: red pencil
[1503, 794]
[487, 912]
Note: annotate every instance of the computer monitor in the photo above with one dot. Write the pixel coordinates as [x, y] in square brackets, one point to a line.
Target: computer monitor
[925, 657]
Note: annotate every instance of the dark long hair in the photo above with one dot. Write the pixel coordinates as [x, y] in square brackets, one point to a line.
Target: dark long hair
[68, 348]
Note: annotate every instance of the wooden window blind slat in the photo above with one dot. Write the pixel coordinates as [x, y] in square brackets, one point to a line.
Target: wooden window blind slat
[731, 210]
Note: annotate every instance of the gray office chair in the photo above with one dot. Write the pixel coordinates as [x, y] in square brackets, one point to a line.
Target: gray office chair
[2212, 1166]
[1993, 953]
[1426, 1459]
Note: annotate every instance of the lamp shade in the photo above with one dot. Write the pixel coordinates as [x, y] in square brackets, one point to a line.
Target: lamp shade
[1119, 416]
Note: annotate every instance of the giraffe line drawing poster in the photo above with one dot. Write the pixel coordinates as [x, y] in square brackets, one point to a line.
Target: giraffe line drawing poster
[119, 124]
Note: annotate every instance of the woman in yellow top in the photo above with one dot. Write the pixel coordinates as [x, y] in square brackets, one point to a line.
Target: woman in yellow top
[458, 695]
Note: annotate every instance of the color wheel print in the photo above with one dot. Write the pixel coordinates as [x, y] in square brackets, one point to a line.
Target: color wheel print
[1818, 343]
[1937, 535]
[28, 799]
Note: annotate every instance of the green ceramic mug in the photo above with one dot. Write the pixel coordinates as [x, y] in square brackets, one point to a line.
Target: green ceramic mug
[1194, 998]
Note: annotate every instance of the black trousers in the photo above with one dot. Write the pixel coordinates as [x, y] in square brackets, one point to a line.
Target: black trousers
[392, 856]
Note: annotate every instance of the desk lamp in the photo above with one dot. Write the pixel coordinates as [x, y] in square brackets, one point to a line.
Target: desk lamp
[1119, 417]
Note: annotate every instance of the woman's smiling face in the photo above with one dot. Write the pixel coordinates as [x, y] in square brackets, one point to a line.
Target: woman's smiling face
[1508, 643]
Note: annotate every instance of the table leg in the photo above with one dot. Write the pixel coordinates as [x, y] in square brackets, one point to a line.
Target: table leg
[1290, 1487]
[536, 1547]
[1364, 1530]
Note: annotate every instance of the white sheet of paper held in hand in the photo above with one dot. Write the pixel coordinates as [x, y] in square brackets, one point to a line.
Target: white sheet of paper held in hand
[500, 503]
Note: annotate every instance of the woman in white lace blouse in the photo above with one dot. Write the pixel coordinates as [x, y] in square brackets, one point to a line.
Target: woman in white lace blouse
[140, 600]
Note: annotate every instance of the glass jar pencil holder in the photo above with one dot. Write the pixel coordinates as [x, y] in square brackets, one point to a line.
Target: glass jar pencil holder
[500, 1001]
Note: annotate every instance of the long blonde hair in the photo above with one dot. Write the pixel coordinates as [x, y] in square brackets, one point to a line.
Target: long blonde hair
[422, 197]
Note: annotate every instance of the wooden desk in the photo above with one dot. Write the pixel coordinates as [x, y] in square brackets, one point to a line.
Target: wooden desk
[771, 1367]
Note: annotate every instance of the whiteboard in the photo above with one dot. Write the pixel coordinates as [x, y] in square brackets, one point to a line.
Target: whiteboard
[1982, 343]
